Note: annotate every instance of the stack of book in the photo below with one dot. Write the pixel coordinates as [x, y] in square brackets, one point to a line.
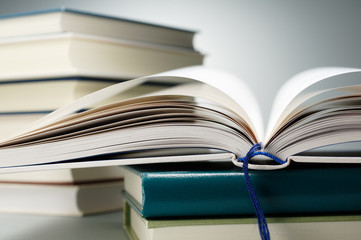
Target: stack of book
[51, 58]
[209, 115]
[210, 201]
[64, 42]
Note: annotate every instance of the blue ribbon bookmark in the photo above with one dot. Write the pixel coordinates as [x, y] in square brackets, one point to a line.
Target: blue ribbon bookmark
[262, 223]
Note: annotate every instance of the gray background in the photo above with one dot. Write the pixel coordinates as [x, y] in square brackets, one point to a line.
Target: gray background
[263, 42]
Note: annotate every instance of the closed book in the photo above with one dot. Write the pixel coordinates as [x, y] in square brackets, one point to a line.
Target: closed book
[73, 54]
[68, 192]
[64, 19]
[74, 176]
[281, 228]
[217, 188]
[11, 122]
[61, 199]
[48, 94]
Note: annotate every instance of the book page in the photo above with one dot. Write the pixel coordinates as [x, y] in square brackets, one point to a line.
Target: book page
[120, 162]
[228, 84]
[136, 112]
[310, 98]
[328, 122]
[296, 85]
[203, 92]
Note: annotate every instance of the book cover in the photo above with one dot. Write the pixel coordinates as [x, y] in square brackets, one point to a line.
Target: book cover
[218, 189]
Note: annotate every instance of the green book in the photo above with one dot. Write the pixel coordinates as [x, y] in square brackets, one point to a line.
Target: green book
[281, 228]
[218, 188]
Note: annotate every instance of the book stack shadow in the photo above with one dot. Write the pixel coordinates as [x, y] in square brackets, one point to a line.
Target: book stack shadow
[209, 200]
[51, 58]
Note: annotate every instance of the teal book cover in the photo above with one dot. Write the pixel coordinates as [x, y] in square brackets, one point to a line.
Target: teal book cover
[218, 188]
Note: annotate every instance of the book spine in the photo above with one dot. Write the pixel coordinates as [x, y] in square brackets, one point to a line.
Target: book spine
[282, 192]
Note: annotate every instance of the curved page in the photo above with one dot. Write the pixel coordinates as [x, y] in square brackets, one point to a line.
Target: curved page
[297, 85]
[230, 85]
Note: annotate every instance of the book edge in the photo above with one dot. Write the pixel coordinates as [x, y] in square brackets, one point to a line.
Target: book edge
[92, 14]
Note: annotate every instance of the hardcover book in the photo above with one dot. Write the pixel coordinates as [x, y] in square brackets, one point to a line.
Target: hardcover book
[47, 95]
[64, 19]
[61, 199]
[67, 192]
[69, 54]
[281, 228]
[169, 190]
[317, 108]
[66, 176]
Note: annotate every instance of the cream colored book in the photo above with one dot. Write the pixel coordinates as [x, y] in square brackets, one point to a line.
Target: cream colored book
[74, 54]
[212, 110]
[61, 199]
[64, 19]
[67, 192]
[281, 228]
[46, 95]
[65, 176]
[12, 122]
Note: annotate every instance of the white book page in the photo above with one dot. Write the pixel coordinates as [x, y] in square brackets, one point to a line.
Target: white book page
[232, 86]
[325, 159]
[326, 122]
[295, 86]
[322, 140]
[313, 97]
[120, 162]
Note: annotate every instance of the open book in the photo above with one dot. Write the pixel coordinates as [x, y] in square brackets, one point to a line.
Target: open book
[211, 116]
